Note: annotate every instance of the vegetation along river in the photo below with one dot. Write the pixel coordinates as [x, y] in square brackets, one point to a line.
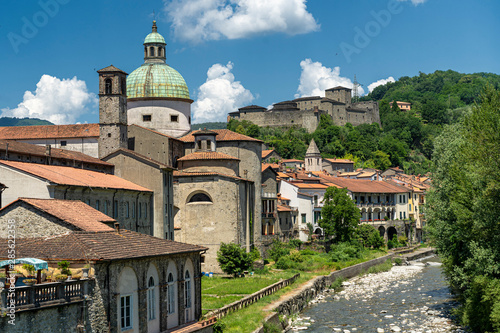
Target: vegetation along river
[412, 298]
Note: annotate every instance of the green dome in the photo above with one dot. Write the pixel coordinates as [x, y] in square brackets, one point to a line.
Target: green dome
[154, 37]
[156, 80]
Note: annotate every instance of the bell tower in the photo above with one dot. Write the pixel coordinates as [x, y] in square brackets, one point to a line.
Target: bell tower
[112, 110]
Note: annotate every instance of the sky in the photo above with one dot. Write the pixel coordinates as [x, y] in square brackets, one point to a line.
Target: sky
[234, 53]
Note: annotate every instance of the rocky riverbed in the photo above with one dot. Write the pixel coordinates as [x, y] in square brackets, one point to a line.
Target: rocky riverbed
[412, 299]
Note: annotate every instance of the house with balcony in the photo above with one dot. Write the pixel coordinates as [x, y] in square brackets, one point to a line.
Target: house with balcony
[269, 199]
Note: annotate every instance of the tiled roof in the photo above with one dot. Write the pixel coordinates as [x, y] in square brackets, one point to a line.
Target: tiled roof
[312, 149]
[283, 208]
[74, 212]
[49, 132]
[339, 87]
[32, 149]
[72, 176]
[306, 186]
[269, 165]
[222, 135]
[338, 160]
[283, 175]
[109, 245]
[366, 174]
[111, 68]
[364, 185]
[207, 155]
[292, 160]
[182, 173]
[139, 156]
[266, 153]
[354, 173]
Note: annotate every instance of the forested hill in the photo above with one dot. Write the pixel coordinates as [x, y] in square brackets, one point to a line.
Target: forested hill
[432, 94]
[8, 121]
[406, 139]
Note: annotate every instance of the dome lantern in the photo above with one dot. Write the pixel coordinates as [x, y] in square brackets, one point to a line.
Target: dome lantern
[154, 47]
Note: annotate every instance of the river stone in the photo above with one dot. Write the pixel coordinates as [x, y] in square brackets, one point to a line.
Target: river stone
[395, 329]
[380, 330]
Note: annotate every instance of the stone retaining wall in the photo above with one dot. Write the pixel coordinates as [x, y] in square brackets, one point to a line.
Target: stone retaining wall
[250, 299]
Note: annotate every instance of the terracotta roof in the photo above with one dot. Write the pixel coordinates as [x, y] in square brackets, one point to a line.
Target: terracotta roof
[354, 173]
[366, 174]
[292, 160]
[109, 245]
[269, 165]
[305, 194]
[49, 132]
[305, 186]
[74, 212]
[266, 153]
[140, 156]
[283, 175]
[111, 68]
[222, 135]
[364, 185]
[182, 173]
[338, 160]
[283, 208]
[207, 155]
[72, 176]
[32, 149]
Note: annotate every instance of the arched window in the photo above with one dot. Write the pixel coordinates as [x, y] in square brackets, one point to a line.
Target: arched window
[152, 51]
[108, 87]
[171, 293]
[200, 197]
[160, 52]
[151, 299]
[187, 290]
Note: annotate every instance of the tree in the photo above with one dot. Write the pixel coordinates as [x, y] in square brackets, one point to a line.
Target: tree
[233, 259]
[340, 216]
[463, 211]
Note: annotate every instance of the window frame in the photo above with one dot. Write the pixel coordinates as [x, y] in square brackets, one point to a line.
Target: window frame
[123, 306]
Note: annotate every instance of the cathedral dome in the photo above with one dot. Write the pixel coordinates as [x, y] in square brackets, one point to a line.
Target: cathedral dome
[156, 80]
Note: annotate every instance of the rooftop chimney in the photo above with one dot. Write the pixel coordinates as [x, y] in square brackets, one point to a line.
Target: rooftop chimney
[117, 227]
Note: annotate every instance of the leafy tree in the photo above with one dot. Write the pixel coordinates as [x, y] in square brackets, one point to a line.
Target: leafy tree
[340, 216]
[381, 160]
[233, 259]
[463, 210]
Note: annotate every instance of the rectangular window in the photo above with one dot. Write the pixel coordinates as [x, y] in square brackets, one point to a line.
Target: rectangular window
[97, 204]
[87, 202]
[133, 210]
[209, 145]
[145, 210]
[400, 215]
[125, 312]
[174, 118]
[404, 215]
[146, 117]
[127, 209]
[410, 207]
[316, 201]
[303, 218]
[64, 143]
[140, 210]
[106, 207]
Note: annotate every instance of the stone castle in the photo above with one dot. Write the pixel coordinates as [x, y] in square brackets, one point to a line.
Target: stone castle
[305, 112]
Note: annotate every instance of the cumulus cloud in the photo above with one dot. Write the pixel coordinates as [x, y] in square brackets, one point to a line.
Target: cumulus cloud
[203, 20]
[58, 101]
[316, 78]
[219, 95]
[380, 82]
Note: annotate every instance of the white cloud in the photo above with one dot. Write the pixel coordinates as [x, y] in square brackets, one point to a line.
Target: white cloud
[58, 101]
[316, 78]
[219, 95]
[415, 2]
[201, 20]
[380, 83]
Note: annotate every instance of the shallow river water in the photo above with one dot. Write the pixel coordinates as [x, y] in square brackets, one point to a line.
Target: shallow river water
[411, 298]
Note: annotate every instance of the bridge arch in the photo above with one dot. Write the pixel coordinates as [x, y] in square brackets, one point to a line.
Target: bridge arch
[381, 230]
[391, 231]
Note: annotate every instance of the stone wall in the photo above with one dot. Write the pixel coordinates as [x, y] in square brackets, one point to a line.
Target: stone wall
[31, 222]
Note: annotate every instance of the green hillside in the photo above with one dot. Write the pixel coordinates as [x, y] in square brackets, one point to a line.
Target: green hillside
[12, 121]
[209, 126]
[406, 139]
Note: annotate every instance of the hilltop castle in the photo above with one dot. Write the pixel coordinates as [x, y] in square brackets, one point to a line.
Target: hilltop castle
[306, 111]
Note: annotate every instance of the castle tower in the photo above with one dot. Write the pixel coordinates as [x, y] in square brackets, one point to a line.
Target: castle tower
[157, 95]
[313, 160]
[339, 94]
[112, 110]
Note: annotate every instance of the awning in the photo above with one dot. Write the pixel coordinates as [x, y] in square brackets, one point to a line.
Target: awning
[37, 263]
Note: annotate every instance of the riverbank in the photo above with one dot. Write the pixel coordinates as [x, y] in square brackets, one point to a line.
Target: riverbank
[413, 299]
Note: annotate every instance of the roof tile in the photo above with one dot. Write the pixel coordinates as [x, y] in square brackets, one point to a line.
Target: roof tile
[222, 135]
[49, 131]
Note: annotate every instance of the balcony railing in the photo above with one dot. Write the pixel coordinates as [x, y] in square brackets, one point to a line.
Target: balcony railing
[269, 215]
[41, 294]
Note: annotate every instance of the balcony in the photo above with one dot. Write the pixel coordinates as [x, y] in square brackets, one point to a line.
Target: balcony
[46, 294]
[269, 215]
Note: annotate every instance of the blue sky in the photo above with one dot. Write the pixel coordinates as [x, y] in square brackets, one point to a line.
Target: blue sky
[234, 53]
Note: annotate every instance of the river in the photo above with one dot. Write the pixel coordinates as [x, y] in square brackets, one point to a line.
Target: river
[412, 299]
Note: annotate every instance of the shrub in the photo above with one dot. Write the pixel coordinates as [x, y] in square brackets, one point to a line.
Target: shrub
[233, 259]
[254, 254]
[344, 251]
[307, 252]
[271, 328]
[278, 250]
[398, 261]
[296, 256]
[481, 310]
[375, 240]
[219, 326]
[285, 263]
[393, 243]
[64, 267]
[295, 243]
[402, 240]
[30, 269]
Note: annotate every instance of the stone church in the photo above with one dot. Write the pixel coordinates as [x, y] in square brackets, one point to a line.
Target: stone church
[206, 184]
[305, 112]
